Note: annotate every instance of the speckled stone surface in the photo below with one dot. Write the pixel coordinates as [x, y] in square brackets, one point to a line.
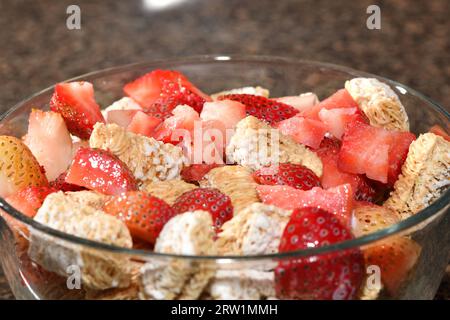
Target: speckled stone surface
[38, 50]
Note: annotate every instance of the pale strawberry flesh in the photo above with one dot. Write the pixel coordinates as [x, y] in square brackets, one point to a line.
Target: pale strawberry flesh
[143, 124]
[336, 120]
[227, 111]
[339, 99]
[49, 141]
[302, 130]
[121, 117]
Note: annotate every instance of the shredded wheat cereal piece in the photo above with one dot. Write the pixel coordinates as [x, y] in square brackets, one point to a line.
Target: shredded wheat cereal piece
[92, 199]
[246, 284]
[98, 270]
[255, 144]
[189, 233]
[425, 175]
[129, 293]
[234, 181]
[170, 190]
[148, 159]
[255, 230]
[124, 103]
[257, 91]
[379, 102]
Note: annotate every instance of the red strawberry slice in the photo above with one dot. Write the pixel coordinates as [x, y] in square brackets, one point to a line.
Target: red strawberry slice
[305, 131]
[376, 152]
[397, 153]
[333, 177]
[263, 108]
[160, 91]
[29, 199]
[363, 188]
[339, 99]
[177, 126]
[294, 175]
[144, 215]
[336, 120]
[329, 146]
[143, 124]
[207, 199]
[336, 276]
[336, 200]
[75, 102]
[100, 170]
[196, 172]
[61, 184]
[396, 258]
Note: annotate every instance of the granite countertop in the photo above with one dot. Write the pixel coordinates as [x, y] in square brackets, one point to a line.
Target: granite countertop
[38, 50]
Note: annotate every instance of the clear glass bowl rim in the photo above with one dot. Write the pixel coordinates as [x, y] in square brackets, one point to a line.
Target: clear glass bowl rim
[440, 204]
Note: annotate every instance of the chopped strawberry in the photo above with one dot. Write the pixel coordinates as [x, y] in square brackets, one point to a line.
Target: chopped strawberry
[49, 141]
[336, 120]
[144, 215]
[395, 257]
[306, 131]
[303, 103]
[160, 91]
[213, 137]
[75, 102]
[207, 199]
[29, 199]
[227, 111]
[121, 117]
[294, 175]
[177, 127]
[143, 124]
[364, 189]
[339, 99]
[398, 153]
[369, 218]
[263, 108]
[438, 130]
[332, 176]
[329, 146]
[196, 172]
[336, 275]
[336, 200]
[61, 184]
[100, 170]
[376, 152]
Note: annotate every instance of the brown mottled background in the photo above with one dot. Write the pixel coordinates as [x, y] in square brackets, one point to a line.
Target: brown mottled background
[37, 50]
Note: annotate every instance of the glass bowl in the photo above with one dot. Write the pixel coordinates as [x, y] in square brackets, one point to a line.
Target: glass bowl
[28, 280]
